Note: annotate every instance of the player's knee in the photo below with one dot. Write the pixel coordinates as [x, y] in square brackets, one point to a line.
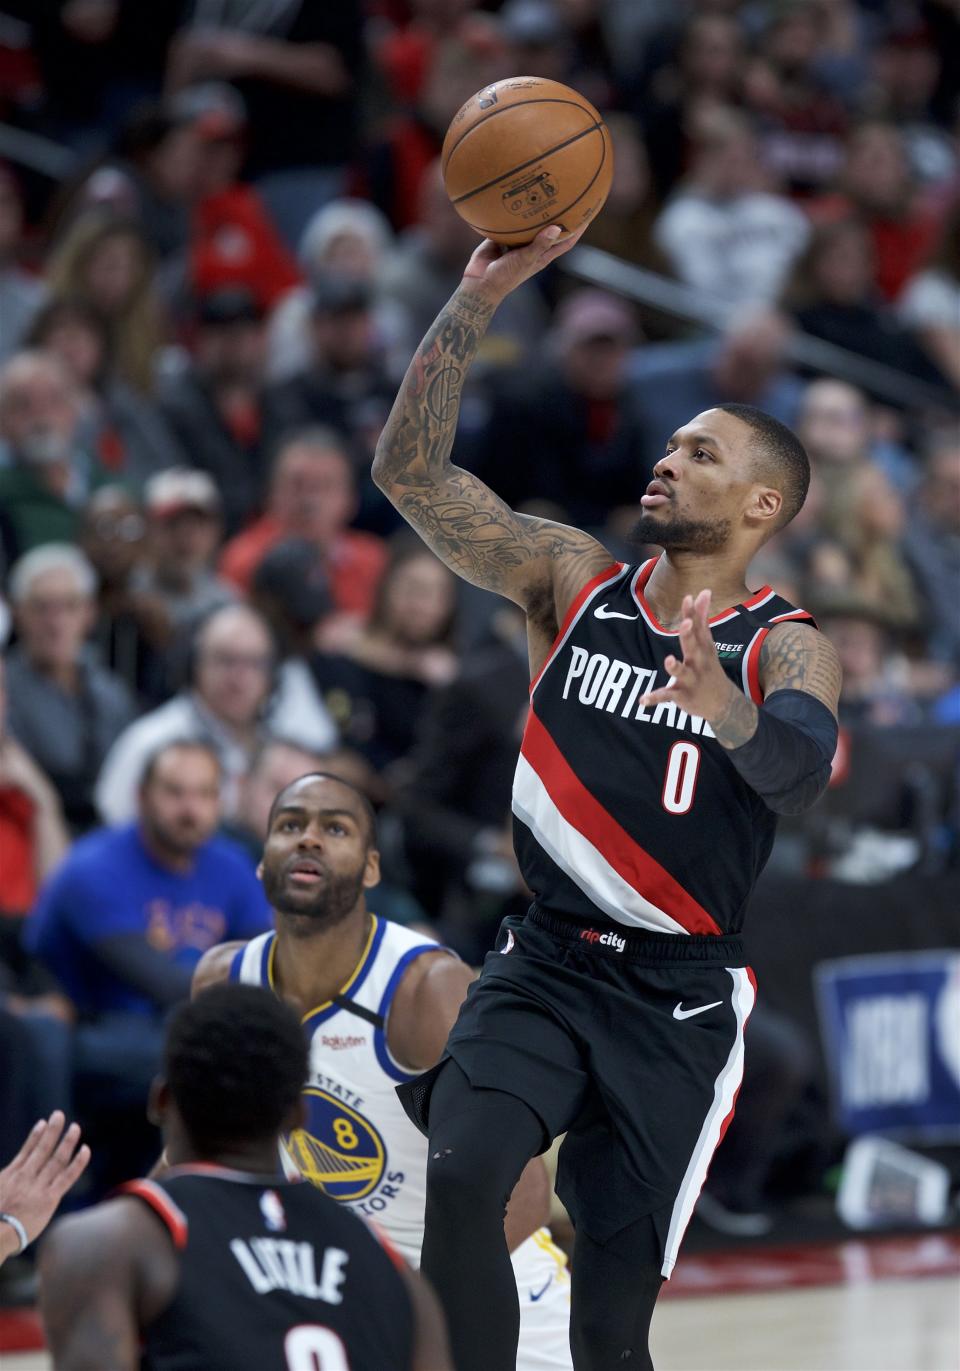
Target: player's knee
[464, 1177]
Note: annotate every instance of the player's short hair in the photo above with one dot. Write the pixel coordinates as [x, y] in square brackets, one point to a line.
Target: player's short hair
[235, 1062]
[175, 745]
[781, 457]
[368, 810]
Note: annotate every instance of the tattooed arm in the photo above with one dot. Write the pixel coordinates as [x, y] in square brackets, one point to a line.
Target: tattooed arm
[792, 657]
[536, 563]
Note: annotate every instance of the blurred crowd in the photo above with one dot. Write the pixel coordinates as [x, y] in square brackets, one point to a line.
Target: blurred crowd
[223, 231]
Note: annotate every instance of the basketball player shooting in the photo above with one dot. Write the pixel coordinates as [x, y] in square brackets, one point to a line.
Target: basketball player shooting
[674, 714]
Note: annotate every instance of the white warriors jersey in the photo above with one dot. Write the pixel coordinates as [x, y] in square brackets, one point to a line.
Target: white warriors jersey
[357, 1143]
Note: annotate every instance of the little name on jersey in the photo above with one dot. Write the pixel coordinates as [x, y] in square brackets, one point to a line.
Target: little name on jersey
[280, 1264]
[615, 686]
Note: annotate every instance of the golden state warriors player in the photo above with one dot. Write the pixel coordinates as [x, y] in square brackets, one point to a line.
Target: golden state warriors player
[377, 1002]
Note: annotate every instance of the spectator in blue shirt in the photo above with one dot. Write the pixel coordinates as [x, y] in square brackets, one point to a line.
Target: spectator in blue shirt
[128, 915]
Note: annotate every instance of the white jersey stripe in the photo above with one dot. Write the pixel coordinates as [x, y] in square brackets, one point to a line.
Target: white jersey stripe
[725, 1093]
[250, 963]
[577, 857]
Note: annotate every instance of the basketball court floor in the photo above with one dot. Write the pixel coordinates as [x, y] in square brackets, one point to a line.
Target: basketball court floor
[873, 1305]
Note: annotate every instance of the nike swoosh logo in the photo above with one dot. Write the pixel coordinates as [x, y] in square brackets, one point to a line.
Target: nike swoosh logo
[681, 1013]
[539, 1294]
[601, 612]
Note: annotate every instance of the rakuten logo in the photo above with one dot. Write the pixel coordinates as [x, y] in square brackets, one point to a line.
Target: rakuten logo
[592, 935]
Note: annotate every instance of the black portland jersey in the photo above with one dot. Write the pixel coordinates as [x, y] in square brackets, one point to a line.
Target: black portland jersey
[630, 814]
[274, 1276]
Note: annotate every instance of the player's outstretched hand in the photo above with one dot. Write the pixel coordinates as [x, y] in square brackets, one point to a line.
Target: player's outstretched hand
[496, 271]
[698, 682]
[42, 1172]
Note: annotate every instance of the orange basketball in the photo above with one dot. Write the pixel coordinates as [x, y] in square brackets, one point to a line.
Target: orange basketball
[524, 153]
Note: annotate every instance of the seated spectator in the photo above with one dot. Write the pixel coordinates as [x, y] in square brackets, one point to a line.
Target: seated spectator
[376, 679]
[932, 543]
[349, 239]
[832, 296]
[33, 835]
[64, 707]
[152, 177]
[296, 66]
[930, 302]
[427, 268]
[913, 87]
[184, 523]
[861, 520]
[344, 383]
[46, 473]
[21, 294]
[802, 123]
[105, 261]
[127, 916]
[725, 230]
[128, 437]
[312, 496]
[233, 240]
[568, 431]
[236, 694]
[745, 365]
[875, 686]
[878, 186]
[212, 398]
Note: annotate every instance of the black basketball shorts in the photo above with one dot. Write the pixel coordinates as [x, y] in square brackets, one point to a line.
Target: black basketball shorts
[629, 1043]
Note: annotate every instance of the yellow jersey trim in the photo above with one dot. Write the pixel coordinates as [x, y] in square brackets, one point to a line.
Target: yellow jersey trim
[364, 958]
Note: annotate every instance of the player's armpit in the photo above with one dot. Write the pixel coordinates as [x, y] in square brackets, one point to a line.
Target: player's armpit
[798, 657]
[466, 524]
[213, 967]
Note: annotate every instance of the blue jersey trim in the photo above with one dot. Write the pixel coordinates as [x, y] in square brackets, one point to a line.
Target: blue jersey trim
[380, 1036]
[234, 972]
[311, 1020]
[265, 960]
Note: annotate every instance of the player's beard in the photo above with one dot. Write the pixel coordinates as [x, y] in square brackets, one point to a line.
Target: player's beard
[329, 906]
[682, 534]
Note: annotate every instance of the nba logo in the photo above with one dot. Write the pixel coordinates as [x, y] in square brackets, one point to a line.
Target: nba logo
[272, 1211]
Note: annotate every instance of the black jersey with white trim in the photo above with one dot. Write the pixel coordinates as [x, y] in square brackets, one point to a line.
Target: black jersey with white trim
[273, 1275]
[636, 815]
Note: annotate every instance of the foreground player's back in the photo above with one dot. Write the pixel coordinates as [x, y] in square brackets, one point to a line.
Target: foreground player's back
[272, 1274]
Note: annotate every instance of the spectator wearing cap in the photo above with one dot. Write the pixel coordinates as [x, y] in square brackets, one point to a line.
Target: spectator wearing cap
[21, 294]
[567, 432]
[44, 471]
[212, 398]
[237, 693]
[344, 383]
[64, 707]
[184, 523]
[312, 496]
[353, 240]
[233, 240]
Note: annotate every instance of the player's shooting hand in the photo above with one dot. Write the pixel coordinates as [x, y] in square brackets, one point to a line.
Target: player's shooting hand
[497, 270]
[42, 1172]
[698, 682]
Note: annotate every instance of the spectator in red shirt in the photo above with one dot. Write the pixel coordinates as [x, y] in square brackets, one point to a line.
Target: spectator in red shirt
[312, 496]
[33, 835]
